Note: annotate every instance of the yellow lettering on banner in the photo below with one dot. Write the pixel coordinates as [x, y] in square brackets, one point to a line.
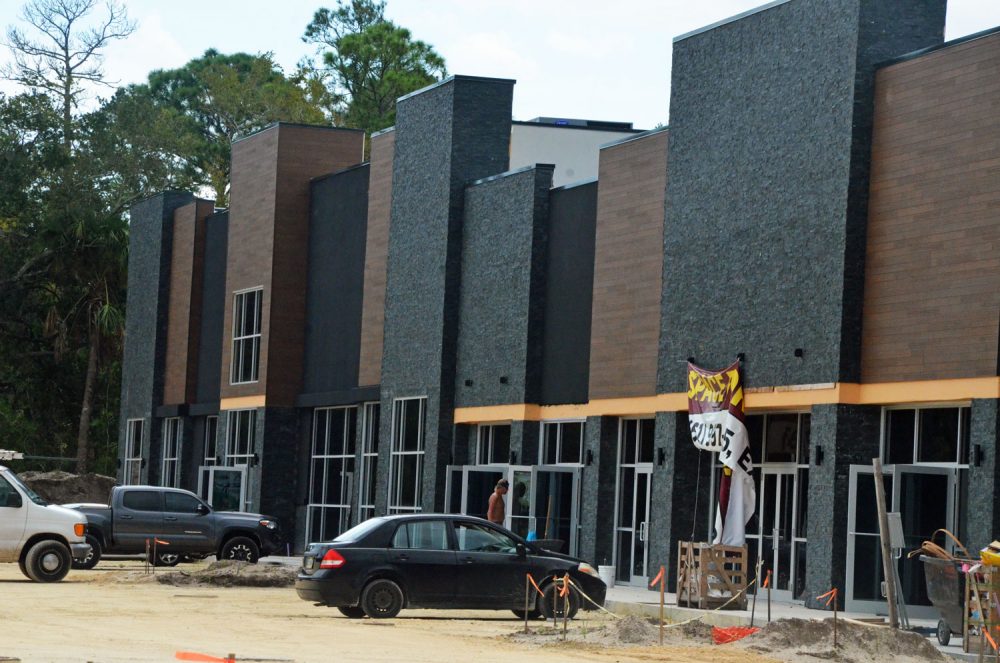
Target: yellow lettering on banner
[714, 388]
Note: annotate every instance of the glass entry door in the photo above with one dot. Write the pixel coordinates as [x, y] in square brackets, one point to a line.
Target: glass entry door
[469, 488]
[632, 526]
[555, 505]
[224, 488]
[926, 499]
[777, 511]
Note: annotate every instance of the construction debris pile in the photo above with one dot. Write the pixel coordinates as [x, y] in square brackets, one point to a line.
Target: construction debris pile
[64, 488]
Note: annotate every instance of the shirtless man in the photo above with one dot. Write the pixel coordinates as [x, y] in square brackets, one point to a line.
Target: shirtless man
[497, 509]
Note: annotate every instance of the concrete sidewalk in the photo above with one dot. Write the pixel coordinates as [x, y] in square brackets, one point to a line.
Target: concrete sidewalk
[623, 600]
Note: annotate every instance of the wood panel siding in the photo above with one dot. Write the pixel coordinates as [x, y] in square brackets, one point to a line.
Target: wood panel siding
[184, 302]
[932, 274]
[628, 268]
[268, 235]
[376, 256]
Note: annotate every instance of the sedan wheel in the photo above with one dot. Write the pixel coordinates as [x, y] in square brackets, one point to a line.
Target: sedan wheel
[352, 611]
[545, 604]
[382, 599]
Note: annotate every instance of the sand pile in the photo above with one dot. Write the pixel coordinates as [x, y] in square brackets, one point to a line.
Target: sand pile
[64, 488]
[806, 639]
[784, 639]
[217, 574]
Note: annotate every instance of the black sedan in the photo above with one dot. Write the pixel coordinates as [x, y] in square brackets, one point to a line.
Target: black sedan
[439, 561]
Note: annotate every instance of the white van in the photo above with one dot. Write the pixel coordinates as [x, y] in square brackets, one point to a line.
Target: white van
[42, 538]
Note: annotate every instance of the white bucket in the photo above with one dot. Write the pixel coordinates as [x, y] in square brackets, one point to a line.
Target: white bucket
[607, 574]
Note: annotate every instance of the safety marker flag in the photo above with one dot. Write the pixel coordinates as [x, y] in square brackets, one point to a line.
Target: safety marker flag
[564, 590]
[659, 576]
[535, 585]
[767, 580]
[832, 594]
[161, 542]
[204, 658]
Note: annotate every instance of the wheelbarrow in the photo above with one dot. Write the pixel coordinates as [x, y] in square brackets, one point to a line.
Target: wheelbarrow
[946, 590]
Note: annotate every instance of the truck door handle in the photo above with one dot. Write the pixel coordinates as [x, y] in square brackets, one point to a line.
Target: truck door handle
[170, 517]
[402, 557]
[125, 517]
[468, 560]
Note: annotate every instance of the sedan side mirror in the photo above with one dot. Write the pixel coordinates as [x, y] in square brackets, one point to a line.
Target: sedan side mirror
[521, 550]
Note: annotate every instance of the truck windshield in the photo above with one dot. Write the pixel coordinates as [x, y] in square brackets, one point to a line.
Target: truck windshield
[32, 495]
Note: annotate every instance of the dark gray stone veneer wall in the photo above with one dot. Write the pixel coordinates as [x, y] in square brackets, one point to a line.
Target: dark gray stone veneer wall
[770, 123]
[848, 435]
[338, 219]
[150, 241]
[446, 136]
[982, 509]
[504, 238]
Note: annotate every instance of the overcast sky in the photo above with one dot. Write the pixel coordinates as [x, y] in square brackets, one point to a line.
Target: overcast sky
[595, 59]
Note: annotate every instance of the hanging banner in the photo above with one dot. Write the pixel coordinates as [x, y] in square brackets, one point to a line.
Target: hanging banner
[718, 425]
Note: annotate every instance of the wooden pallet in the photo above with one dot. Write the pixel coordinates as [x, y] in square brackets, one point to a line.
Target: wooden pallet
[982, 591]
[709, 576]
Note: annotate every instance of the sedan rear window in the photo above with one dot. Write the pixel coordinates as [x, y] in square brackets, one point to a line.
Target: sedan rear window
[359, 531]
[422, 535]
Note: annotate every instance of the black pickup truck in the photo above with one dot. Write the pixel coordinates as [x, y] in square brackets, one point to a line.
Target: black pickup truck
[175, 523]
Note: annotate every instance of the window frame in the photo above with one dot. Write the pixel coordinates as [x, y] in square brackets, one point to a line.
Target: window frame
[371, 418]
[133, 459]
[240, 340]
[247, 459]
[324, 458]
[543, 442]
[486, 444]
[170, 467]
[398, 455]
[962, 434]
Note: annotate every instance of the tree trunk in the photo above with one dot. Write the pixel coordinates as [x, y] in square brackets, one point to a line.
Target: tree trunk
[83, 437]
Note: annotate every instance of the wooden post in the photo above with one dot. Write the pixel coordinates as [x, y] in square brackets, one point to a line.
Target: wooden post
[565, 589]
[883, 530]
[769, 596]
[555, 603]
[527, 590]
[756, 590]
[663, 590]
[834, 619]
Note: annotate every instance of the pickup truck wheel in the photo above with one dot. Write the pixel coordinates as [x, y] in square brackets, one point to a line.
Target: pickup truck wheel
[92, 558]
[164, 559]
[48, 561]
[240, 548]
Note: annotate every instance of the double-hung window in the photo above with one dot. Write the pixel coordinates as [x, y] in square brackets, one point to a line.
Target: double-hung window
[132, 465]
[246, 336]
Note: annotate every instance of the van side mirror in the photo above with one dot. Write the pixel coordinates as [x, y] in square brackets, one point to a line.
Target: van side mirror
[521, 550]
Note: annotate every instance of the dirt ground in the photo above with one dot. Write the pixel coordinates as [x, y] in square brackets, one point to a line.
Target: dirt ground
[116, 613]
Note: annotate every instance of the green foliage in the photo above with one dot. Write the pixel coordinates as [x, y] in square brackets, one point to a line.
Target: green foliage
[366, 63]
[201, 108]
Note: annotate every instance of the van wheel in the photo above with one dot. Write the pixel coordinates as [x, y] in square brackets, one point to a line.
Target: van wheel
[48, 561]
[92, 558]
[382, 599]
[240, 548]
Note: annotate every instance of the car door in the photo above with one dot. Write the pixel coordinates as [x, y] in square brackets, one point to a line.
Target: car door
[13, 516]
[186, 524]
[139, 517]
[489, 572]
[421, 552]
